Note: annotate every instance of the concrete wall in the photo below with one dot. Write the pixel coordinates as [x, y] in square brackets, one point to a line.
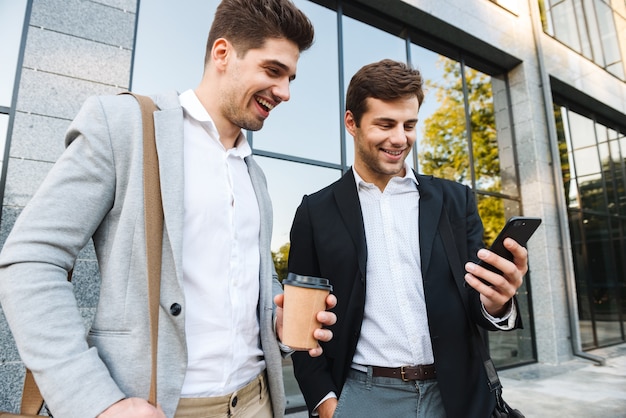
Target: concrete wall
[74, 49]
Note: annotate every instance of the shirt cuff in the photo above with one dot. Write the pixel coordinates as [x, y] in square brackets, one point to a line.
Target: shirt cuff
[331, 394]
[506, 322]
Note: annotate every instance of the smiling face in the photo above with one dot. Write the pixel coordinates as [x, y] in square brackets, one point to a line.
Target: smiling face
[258, 82]
[240, 91]
[383, 138]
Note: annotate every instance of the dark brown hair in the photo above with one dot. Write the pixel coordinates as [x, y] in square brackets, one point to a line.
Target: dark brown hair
[383, 80]
[247, 24]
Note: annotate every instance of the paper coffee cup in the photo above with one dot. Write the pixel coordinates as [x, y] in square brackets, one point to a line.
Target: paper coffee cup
[305, 296]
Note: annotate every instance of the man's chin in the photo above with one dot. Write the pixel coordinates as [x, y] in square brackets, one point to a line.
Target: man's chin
[252, 126]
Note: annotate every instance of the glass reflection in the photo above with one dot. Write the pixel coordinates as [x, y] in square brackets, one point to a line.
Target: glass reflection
[181, 34]
[586, 161]
[485, 150]
[288, 182]
[603, 291]
[597, 235]
[4, 127]
[309, 124]
[444, 147]
[427, 63]
[11, 22]
[364, 44]
[581, 130]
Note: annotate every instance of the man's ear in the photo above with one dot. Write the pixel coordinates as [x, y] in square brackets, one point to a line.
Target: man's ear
[349, 122]
[220, 53]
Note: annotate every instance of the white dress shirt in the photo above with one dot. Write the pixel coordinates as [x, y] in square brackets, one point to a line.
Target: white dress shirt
[394, 331]
[220, 259]
[395, 324]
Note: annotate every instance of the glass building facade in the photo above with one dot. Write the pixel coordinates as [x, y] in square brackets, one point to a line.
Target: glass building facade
[482, 123]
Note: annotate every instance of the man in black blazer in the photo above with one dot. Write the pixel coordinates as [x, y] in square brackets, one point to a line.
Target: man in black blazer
[402, 342]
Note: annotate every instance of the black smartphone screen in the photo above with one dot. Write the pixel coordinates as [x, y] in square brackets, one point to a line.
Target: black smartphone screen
[519, 228]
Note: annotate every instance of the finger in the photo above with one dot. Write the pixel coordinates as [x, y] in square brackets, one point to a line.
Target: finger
[326, 318]
[279, 299]
[331, 301]
[484, 276]
[315, 352]
[520, 254]
[323, 335]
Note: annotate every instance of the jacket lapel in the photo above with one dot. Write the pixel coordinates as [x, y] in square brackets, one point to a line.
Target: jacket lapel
[168, 126]
[347, 199]
[431, 201]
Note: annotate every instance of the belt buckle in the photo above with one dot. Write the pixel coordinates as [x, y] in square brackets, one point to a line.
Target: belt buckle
[403, 374]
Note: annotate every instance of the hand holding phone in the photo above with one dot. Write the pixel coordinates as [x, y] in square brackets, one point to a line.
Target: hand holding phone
[519, 228]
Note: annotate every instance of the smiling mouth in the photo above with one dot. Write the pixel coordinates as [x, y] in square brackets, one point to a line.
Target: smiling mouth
[264, 104]
[394, 153]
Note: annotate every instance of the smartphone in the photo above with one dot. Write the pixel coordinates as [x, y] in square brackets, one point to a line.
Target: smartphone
[520, 228]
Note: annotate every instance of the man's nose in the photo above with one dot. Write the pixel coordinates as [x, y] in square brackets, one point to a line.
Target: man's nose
[398, 136]
[281, 90]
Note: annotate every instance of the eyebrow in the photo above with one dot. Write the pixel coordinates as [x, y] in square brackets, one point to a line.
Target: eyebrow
[390, 120]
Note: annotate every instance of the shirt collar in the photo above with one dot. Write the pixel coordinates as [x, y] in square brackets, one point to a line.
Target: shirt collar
[409, 176]
[195, 110]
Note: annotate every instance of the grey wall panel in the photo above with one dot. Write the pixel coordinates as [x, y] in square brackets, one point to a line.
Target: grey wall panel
[85, 19]
[59, 53]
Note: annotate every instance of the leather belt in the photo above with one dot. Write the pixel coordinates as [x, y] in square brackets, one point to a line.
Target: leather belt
[406, 373]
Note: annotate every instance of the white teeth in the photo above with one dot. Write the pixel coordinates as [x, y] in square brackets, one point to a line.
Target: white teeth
[393, 152]
[265, 103]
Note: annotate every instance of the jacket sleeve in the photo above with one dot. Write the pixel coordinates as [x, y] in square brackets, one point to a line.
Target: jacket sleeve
[37, 300]
[313, 374]
[475, 242]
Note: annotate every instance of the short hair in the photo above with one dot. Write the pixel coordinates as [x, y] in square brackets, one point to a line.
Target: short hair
[247, 24]
[383, 80]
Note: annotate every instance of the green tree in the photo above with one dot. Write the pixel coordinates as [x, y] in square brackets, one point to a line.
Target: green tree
[444, 150]
[280, 258]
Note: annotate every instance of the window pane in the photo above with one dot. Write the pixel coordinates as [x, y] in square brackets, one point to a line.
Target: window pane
[288, 182]
[427, 62]
[4, 126]
[581, 130]
[484, 133]
[608, 36]
[443, 150]
[603, 280]
[181, 34]
[11, 23]
[564, 24]
[583, 19]
[581, 274]
[364, 44]
[586, 161]
[309, 124]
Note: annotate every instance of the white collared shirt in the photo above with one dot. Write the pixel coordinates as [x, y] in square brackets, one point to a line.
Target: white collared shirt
[394, 330]
[395, 324]
[220, 259]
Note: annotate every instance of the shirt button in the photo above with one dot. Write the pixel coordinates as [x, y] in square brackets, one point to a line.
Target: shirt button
[176, 309]
[233, 403]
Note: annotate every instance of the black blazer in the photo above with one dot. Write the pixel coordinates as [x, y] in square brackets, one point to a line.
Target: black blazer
[328, 240]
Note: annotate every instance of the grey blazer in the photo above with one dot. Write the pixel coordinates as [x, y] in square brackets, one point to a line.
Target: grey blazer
[95, 191]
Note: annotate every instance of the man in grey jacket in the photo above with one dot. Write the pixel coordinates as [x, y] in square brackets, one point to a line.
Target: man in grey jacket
[218, 350]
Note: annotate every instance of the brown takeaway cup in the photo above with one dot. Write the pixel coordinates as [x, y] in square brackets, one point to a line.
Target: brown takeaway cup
[305, 296]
